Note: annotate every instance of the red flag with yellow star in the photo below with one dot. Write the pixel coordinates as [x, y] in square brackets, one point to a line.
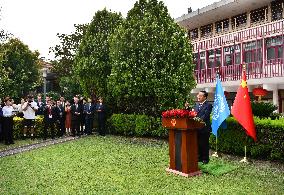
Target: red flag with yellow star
[241, 109]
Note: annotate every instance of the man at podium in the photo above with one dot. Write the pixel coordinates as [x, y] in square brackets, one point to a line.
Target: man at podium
[203, 109]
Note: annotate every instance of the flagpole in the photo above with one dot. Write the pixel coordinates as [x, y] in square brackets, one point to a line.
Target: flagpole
[244, 160]
[216, 153]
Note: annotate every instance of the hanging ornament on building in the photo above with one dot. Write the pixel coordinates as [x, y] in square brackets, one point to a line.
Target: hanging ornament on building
[259, 92]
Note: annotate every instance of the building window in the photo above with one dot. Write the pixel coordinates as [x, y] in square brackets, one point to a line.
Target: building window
[258, 15]
[202, 60]
[222, 26]
[276, 10]
[274, 48]
[206, 31]
[239, 21]
[195, 60]
[252, 51]
[214, 58]
[232, 55]
[193, 34]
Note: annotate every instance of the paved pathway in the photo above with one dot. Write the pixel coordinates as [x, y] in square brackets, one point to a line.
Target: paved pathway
[21, 149]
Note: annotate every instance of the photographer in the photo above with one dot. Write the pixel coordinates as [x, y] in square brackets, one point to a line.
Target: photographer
[29, 109]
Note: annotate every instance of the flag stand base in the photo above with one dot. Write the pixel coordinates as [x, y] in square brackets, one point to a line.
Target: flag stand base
[244, 160]
[215, 155]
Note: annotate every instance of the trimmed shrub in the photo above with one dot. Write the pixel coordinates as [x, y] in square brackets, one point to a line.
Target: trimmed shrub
[263, 109]
[270, 139]
[136, 125]
[39, 126]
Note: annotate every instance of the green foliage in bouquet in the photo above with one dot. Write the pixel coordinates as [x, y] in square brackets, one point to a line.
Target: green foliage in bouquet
[151, 58]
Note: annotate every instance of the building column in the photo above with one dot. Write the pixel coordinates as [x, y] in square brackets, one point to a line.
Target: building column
[230, 25]
[248, 20]
[269, 13]
[274, 89]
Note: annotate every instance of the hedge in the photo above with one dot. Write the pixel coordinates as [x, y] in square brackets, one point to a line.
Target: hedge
[39, 126]
[136, 125]
[270, 134]
[270, 139]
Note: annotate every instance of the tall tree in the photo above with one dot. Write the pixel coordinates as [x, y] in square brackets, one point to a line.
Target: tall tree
[63, 64]
[151, 60]
[92, 64]
[20, 68]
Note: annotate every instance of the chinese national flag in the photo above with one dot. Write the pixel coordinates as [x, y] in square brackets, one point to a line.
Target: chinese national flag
[241, 109]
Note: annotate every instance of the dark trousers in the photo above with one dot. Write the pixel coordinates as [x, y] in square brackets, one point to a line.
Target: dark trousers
[203, 145]
[89, 125]
[61, 126]
[75, 126]
[101, 125]
[48, 124]
[8, 130]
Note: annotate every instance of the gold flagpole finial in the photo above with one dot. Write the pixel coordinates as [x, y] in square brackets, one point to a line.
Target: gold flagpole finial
[244, 66]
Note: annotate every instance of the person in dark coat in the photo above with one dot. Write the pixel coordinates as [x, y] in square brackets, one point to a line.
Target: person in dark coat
[60, 118]
[50, 117]
[89, 110]
[76, 112]
[203, 109]
[8, 114]
[100, 109]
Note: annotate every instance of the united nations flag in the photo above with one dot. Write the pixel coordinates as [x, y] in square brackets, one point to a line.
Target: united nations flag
[220, 108]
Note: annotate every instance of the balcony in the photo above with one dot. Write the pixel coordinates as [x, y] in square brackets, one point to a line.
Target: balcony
[255, 70]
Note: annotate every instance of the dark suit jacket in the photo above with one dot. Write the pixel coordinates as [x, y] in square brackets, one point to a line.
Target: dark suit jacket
[60, 112]
[88, 109]
[46, 113]
[204, 113]
[101, 115]
[79, 109]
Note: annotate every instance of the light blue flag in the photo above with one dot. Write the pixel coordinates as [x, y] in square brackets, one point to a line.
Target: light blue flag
[220, 108]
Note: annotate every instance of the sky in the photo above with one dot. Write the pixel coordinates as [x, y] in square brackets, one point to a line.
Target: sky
[36, 22]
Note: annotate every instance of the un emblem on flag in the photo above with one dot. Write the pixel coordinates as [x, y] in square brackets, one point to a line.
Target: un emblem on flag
[219, 106]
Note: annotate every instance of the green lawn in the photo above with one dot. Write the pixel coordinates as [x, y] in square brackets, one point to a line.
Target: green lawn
[117, 165]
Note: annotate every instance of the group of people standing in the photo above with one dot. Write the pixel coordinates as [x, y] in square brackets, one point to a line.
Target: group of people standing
[73, 119]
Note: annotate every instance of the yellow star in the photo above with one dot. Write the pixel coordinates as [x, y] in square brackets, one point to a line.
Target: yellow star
[244, 83]
[245, 96]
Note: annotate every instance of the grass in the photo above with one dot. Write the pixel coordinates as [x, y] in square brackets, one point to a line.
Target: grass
[117, 165]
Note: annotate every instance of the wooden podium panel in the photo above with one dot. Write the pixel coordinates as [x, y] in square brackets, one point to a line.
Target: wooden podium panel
[183, 147]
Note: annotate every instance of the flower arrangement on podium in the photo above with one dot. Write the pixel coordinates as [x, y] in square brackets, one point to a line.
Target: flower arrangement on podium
[180, 118]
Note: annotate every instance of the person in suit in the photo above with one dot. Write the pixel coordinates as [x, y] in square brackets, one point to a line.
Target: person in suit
[203, 109]
[60, 118]
[100, 108]
[76, 112]
[89, 110]
[8, 114]
[40, 105]
[50, 116]
[68, 118]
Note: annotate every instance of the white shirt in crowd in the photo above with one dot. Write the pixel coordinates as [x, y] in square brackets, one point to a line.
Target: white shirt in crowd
[7, 111]
[29, 113]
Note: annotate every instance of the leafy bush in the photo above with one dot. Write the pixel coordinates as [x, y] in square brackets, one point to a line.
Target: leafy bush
[270, 139]
[263, 109]
[39, 126]
[136, 125]
[150, 72]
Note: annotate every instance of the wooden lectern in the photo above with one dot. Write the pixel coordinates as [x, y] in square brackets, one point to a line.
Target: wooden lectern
[183, 147]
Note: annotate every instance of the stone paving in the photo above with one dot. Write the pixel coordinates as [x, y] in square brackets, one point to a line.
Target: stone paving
[21, 149]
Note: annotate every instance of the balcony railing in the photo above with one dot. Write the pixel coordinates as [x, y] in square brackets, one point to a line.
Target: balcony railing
[254, 70]
[246, 34]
